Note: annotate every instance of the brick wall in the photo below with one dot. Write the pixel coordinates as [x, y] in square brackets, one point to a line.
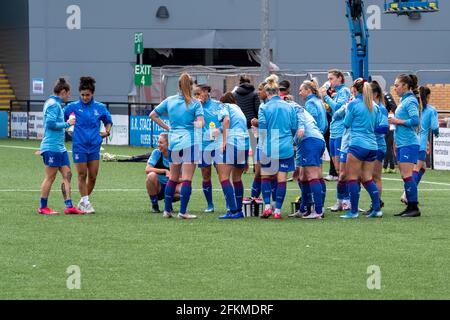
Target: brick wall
[440, 96]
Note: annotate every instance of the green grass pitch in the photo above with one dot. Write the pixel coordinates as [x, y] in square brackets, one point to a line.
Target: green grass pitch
[126, 252]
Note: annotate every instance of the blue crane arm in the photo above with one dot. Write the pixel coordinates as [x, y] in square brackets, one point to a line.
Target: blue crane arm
[360, 34]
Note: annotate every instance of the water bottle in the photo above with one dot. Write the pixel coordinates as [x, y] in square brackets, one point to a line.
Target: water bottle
[391, 126]
[72, 116]
[255, 131]
[212, 126]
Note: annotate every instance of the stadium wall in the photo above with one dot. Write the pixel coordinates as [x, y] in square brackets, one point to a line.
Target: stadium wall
[95, 37]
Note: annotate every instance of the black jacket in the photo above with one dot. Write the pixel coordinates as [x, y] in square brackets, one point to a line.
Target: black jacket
[248, 100]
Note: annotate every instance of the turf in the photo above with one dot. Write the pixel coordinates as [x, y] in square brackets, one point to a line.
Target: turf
[126, 252]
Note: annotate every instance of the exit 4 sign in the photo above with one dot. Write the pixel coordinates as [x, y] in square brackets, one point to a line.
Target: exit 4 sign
[138, 43]
[143, 75]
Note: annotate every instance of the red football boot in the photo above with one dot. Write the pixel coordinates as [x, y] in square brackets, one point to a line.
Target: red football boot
[73, 210]
[47, 211]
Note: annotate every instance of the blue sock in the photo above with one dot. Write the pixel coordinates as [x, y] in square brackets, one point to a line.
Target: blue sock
[410, 189]
[374, 194]
[154, 199]
[168, 195]
[266, 189]
[185, 195]
[44, 203]
[256, 187]
[324, 190]
[239, 192]
[316, 188]
[341, 190]
[353, 188]
[417, 176]
[304, 186]
[230, 197]
[281, 194]
[68, 203]
[274, 185]
[207, 191]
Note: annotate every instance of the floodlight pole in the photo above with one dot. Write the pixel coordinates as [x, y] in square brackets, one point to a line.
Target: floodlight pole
[265, 44]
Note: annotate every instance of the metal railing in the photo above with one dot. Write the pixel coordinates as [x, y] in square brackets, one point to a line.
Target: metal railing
[115, 108]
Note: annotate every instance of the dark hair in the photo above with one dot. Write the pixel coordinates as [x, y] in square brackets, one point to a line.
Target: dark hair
[61, 85]
[204, 87]
[244, 79]
[424, 93]
[227, 98]
[376, 89]
[338, 74]
[87, 83]
[284, 85]
[412, 82]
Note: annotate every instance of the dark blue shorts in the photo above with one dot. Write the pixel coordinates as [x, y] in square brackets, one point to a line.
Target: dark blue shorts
[422, 156]
[278, 165]
[186, 155]
[380, 155]
[335, 147]
[207, 158]
[343, 157]
[82, 157]
[408, 154]
[233, 156]
[311, 151]
[363, 154]
[56, 159]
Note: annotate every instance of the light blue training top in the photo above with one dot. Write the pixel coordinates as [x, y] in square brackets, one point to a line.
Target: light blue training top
[54, 126]
[237, 134]
[429, 121]
[278, 123]
[340, 99]
[153, 160]
[211, 110]
[361, 122]
[408, 110]
[316, 108]
[181, 119]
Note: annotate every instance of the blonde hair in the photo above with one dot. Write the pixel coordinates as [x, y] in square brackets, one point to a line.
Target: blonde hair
[271, 86]
[185, 84]
[364, 87]
[165, 136]
[313, 86]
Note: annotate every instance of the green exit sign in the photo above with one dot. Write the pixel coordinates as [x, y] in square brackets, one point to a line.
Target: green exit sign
[143, 75]
[138, 43]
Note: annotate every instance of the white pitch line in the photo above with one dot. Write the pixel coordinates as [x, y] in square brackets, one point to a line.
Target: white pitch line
[30, 148]
[198, 190]
[422, 181]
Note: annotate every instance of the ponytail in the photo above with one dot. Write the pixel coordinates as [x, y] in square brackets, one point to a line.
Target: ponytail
[185, 84]
[364, 87]
[424, 93]
[415, 89]
[368, 96]
[313, 86]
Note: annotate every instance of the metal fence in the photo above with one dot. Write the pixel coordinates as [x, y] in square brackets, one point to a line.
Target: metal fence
[29, 109]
